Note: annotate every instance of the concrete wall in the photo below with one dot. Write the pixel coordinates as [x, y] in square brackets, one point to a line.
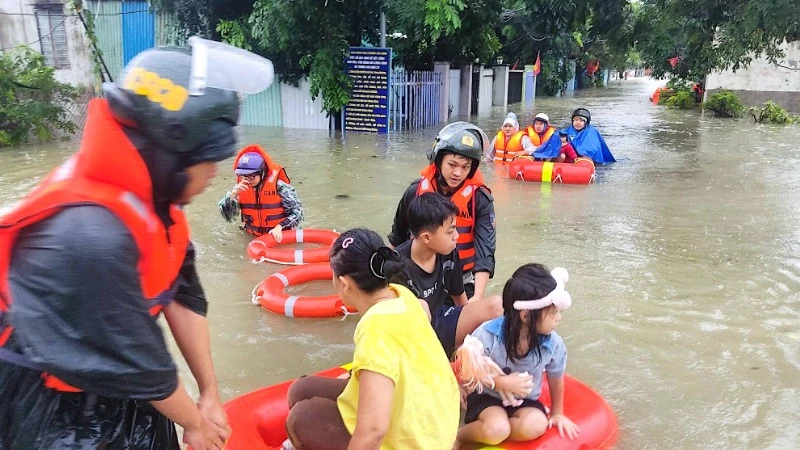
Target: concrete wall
[763, 80]
[485, 92]
[500, 86]
[299, 110]
[443, 69]
[465, 97]
[454, 107]
[18, 26]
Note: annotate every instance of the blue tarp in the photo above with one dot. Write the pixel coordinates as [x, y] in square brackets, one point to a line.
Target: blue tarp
[587, 142]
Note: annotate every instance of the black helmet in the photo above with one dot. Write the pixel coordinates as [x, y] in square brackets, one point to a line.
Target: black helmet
[178, 122]
[181, 106]
[583, 112]
[461, 138]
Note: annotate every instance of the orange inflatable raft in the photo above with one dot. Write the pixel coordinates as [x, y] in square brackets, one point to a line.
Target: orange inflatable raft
[263, 248]
[526, 168]
[257, 419]
[269, 293]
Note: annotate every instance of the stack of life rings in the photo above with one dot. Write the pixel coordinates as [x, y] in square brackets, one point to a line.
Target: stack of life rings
[310, 265]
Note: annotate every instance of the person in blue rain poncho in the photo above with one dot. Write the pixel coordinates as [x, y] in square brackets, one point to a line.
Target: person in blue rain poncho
[585, 138]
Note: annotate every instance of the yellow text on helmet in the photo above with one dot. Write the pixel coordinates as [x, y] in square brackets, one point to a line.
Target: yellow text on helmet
[159, 90]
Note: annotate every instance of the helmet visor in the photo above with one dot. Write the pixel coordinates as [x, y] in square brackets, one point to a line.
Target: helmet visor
[222, 66]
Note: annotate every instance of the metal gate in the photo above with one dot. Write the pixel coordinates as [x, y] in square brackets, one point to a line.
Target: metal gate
[415, 100]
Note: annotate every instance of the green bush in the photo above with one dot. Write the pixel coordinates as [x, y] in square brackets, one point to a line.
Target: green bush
[771, 112]
[682, 99]
[725, 104]
[32, 102]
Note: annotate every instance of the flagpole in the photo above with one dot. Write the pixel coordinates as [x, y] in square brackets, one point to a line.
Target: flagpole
[536, 70]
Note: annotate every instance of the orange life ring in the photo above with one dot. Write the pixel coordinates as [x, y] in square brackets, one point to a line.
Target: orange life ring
[269, 293]
[263, 248]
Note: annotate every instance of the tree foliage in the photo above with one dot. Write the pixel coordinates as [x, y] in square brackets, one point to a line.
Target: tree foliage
[32, 102]
[701, 36]
[311, 37]
[583, 30]
[200, 17]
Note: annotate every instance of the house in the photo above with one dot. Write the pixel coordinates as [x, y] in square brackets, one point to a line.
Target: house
[50, 27]
[763, 80]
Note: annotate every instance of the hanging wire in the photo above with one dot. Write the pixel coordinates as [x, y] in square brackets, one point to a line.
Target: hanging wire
[52, 30]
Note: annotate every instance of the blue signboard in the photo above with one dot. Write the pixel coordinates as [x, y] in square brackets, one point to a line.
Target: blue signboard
[368, 107]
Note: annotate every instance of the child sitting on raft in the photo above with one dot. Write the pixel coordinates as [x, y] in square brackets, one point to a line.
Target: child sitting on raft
[435, 273]
[520, 345]
[402, 392]
[568, 153]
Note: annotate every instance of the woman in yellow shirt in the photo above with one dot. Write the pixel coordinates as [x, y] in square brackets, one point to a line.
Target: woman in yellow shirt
[402, 393]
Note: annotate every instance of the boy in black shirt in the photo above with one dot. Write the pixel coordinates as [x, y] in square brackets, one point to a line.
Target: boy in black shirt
[435, 275]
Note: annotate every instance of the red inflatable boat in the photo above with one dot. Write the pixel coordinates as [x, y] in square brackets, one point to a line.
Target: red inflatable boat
[526, 168]
[257, 419]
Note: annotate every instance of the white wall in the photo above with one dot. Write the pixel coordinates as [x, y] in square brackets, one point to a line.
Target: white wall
[762, 75]
[485, 93]
[455, 94]
[299, 111]
[17, 29]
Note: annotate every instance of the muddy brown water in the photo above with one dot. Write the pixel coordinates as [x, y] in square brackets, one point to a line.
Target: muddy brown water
[684, 261]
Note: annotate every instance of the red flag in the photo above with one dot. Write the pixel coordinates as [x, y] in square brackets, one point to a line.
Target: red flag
[674, 61]
[537, 66]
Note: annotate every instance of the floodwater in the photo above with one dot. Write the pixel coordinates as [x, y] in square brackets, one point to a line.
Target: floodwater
[684, 262]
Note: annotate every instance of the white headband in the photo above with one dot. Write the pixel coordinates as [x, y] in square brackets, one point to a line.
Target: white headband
[559, 296]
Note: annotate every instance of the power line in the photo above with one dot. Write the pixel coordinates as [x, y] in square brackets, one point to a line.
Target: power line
[75, 15]
[52, 30]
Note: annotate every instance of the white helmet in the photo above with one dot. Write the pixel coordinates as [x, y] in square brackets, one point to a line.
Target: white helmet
[543, 117]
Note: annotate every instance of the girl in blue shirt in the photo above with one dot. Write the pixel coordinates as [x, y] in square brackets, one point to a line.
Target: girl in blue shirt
[520, 346]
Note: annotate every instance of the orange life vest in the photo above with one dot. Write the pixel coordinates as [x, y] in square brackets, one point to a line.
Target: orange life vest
[464, 199]
[261, 209]
[506, 151]
[107, 171]
[537, 141]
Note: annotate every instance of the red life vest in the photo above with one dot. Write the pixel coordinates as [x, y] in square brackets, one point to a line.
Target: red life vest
[107, 171]
[506, 151]
[261, 208]
[464, 199]
[536, 139]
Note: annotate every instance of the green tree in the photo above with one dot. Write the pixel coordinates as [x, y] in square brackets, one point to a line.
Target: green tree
[701, 36]
[304, 38]
[200, 17]
[580, 29]
[32, 102]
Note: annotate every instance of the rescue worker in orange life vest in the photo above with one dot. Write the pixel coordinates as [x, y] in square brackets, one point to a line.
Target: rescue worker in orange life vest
[510, 142]
[540, 132]
[97, 250]
[453, 172]
[262, 196]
